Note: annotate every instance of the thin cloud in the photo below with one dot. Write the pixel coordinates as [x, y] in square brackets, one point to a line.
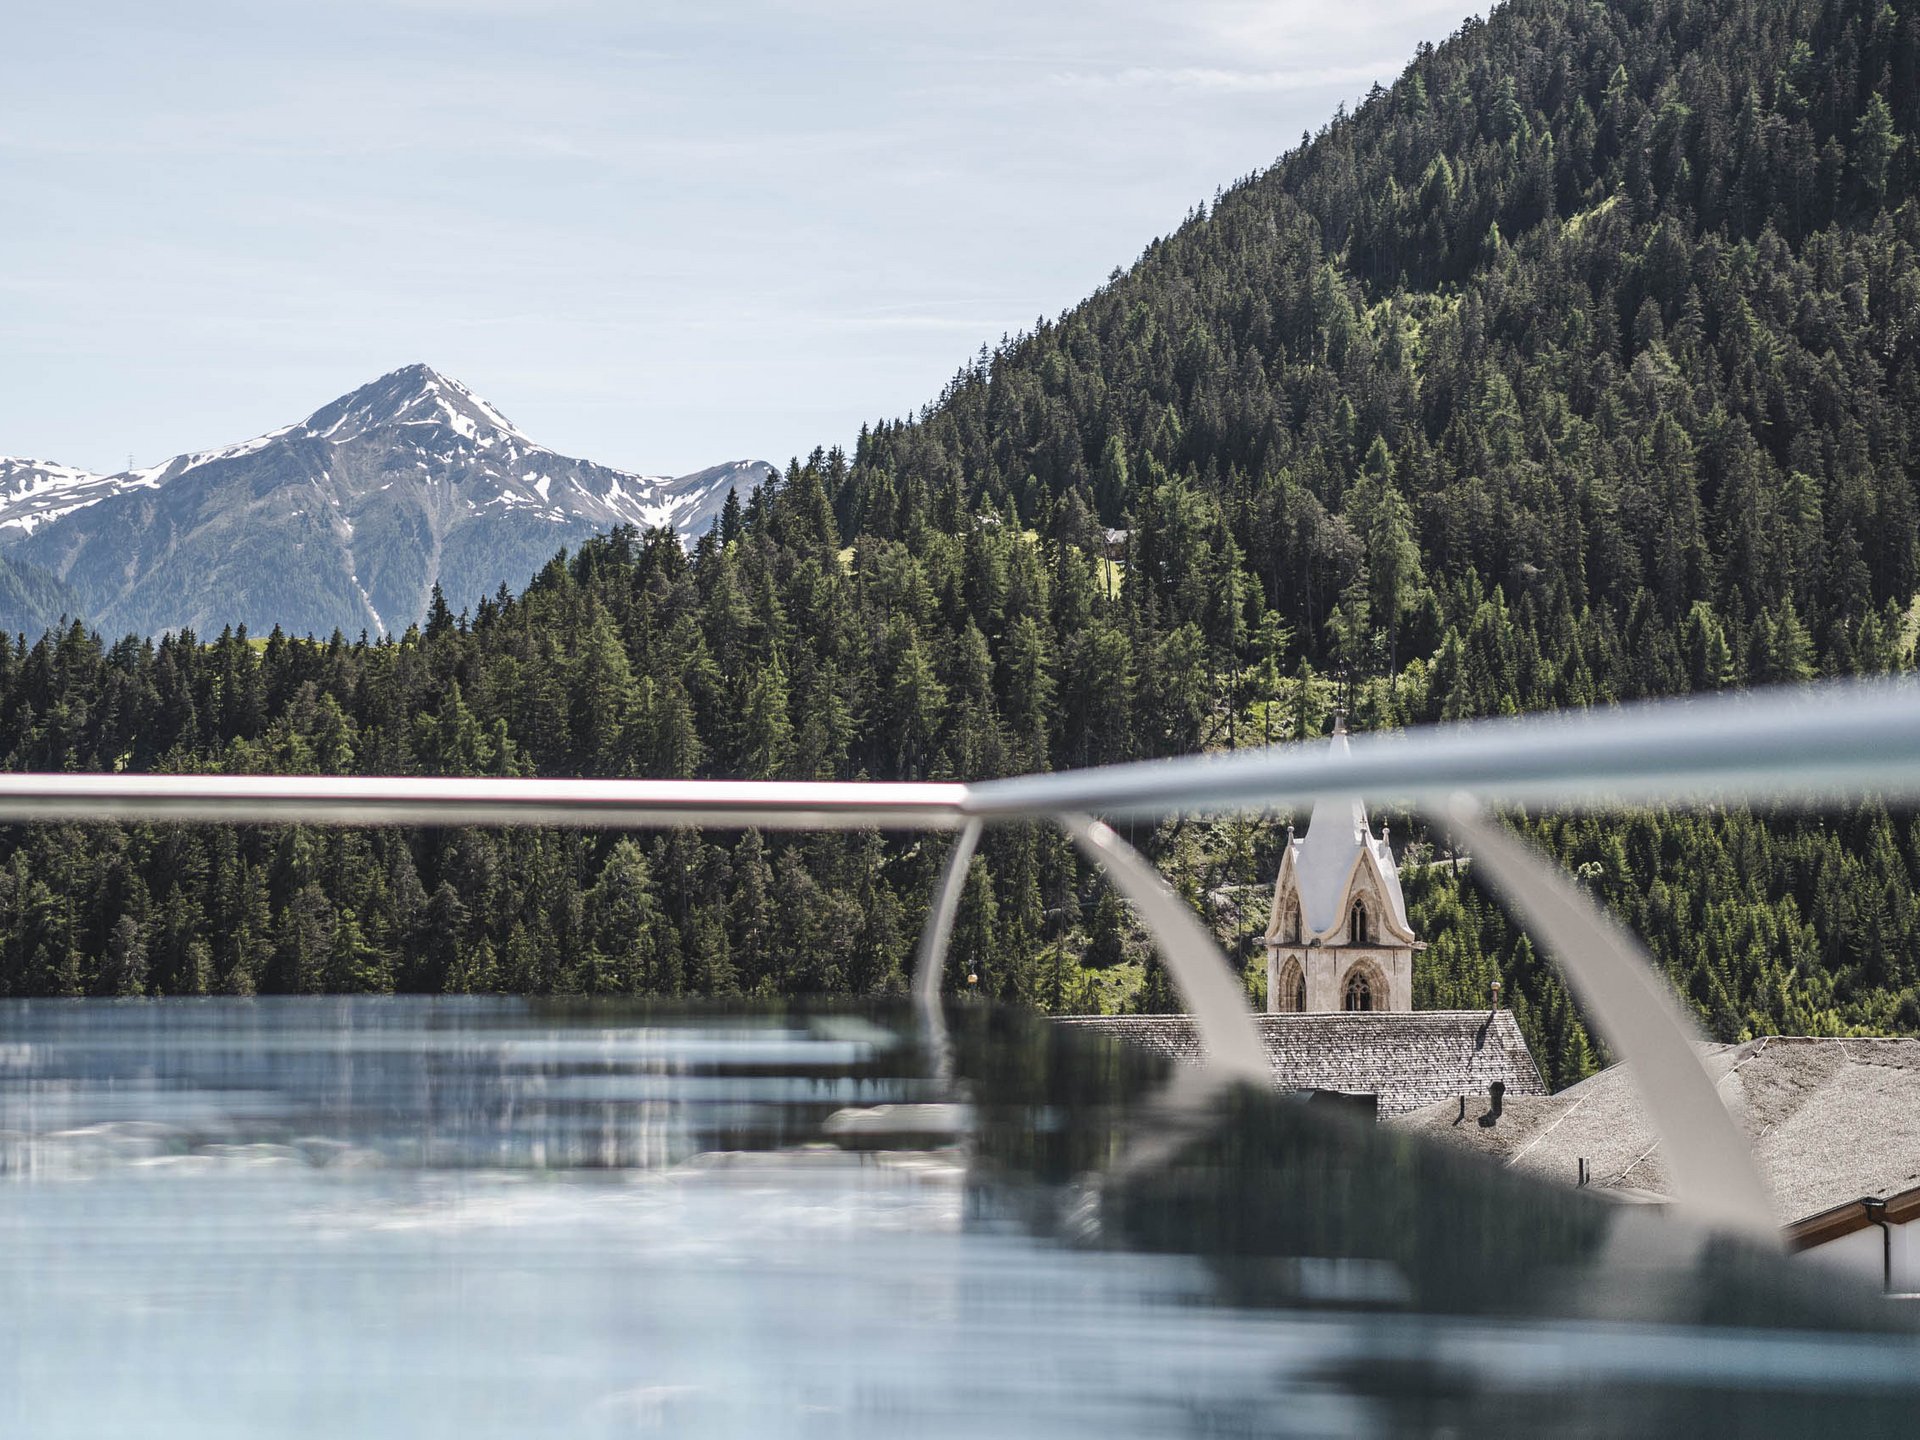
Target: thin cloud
[982, 326]
[1200, 77]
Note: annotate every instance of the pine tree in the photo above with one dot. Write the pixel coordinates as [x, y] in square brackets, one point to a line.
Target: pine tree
[766, 731]
[125, 970]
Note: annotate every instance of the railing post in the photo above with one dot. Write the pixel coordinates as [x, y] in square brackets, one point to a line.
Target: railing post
[1206, 981]
[1613, 977]
[931, 959]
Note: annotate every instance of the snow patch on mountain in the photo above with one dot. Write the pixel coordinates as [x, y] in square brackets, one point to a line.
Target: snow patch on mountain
[34, 492]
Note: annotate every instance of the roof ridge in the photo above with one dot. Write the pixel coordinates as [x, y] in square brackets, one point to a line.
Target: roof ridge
[1299, 1015]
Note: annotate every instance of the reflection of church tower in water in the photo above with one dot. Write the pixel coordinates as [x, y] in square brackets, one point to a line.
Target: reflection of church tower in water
[1339, 938]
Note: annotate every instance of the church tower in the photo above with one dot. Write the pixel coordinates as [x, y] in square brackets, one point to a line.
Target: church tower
[1339, 938]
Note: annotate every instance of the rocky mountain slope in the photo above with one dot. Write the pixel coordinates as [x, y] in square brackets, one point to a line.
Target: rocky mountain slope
[345, 520]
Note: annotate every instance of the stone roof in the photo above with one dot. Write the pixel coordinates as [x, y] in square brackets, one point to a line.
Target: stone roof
[1408, 1059]
[1830, 1121]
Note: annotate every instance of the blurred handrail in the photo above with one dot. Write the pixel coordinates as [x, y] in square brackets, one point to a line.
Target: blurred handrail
[372, 800]
[1798, 744]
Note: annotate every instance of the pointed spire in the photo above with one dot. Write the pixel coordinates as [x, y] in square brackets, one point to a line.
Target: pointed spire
[1337, 833]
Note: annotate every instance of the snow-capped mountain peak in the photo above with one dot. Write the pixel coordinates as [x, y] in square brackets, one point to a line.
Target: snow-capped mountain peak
[413, 395]
[347, 518]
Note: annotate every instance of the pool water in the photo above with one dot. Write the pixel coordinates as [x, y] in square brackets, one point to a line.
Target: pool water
[478, 1218]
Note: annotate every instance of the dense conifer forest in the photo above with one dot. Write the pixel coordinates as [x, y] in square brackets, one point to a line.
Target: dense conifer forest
[1580, 366]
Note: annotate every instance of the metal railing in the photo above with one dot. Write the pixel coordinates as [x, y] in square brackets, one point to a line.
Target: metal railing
[1815, 744]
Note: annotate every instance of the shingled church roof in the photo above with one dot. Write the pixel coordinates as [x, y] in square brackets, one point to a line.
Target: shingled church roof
[1408, 1059]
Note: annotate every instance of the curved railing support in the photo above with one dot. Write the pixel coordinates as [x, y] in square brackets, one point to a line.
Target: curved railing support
[1206, 981]
[935, 936]
[1615, 980]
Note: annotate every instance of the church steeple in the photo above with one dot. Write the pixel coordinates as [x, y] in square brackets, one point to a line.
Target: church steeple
[1340, 936]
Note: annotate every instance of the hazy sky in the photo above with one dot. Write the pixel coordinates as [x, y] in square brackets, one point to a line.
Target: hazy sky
[655, 235]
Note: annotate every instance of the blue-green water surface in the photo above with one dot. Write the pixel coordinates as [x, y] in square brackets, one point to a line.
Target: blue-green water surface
[496, 1218]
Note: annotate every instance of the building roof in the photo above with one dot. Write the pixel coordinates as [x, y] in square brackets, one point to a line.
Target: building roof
[1830, 1121]
[1323, 859]
[1407, 1058]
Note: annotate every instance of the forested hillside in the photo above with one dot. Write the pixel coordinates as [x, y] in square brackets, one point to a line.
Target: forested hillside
[1582, 365]
[31, 600]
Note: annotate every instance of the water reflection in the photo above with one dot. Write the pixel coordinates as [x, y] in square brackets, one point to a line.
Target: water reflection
[434, 1218]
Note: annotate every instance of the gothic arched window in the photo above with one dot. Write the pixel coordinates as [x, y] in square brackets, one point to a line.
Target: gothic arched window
[1358, 994]
[1291, 998]
[1357, 933]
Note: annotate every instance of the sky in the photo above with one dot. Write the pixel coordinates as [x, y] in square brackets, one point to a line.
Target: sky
[655, 235]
